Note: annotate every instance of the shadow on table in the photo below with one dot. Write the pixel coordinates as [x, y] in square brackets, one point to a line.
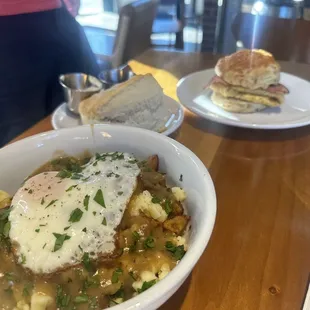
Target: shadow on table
[236, 133]
[176, 300]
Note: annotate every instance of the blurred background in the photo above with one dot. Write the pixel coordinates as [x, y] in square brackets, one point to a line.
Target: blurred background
[54, 37]
[220, 26]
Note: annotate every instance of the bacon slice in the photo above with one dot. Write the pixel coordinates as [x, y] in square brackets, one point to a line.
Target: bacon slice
[277, 88]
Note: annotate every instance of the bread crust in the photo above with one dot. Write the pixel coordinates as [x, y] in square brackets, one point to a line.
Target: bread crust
[250, 69]
[112, 102]
[88, 108]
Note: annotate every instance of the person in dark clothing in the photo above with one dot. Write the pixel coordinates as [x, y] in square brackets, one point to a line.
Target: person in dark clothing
[40, 40]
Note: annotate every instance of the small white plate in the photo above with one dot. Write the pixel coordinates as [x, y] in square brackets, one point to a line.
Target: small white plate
[63, 118]
[294, 112]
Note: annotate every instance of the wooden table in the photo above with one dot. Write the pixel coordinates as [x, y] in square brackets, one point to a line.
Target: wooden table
[259, 254]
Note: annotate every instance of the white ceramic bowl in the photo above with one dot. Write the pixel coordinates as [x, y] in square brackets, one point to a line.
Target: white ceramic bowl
[18, 160]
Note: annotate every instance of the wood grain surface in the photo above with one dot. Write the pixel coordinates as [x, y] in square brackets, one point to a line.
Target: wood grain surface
[259, 254]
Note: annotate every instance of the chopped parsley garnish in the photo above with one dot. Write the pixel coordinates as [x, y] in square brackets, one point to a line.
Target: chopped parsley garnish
[117, 155]
[155, 200]
[95, 163]
[60, 239]
[120, 294]
[6, 229]
[42, 201]
[135, 235]
[27, 289]
[64, 174]
[93, 281]
[181, 178]
[74, 167]
[177, 251]
[11, 276]
[149, 243]
[42, 225]
[80, 248]
[116, 274]
[76, 176]
[71, 188]
[75, 215]
[86, 179]
[51, 203]
[132, 275]
[104, 221]
[44, 246]
[101, 157]
[84, 229]
[81, 299]
[120, 193]
[87, 262]
[66, 228]
[62, 299]
[86, 202]
[132, 161]
[112, 173]
[99, 198]
[146, 286]
[30, 191]
[97, 172]
[167, 206]
[4, 214]
[23, 259]
[94, 212]
[37, 230]
[170, 246]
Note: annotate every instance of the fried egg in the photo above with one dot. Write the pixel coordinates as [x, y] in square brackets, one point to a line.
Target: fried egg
[57, 217]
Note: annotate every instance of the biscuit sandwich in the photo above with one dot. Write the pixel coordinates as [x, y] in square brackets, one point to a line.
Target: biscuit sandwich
[247, 81]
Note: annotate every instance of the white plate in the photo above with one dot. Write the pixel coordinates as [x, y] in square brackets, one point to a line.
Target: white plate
[63, 118]
[294, 112]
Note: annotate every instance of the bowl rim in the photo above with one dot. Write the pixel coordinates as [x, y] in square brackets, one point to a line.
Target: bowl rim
[185, 266]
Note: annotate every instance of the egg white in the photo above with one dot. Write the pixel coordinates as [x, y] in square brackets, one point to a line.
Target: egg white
[43, 205]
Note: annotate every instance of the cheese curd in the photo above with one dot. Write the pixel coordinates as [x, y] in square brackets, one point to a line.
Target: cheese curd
[178, 193]
[40, 302]
[143, 203]
[145, 276]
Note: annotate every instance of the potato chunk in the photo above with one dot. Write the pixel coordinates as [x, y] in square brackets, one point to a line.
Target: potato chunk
[153, 162]
[177, 208]
[177, 224]
[5, 199]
